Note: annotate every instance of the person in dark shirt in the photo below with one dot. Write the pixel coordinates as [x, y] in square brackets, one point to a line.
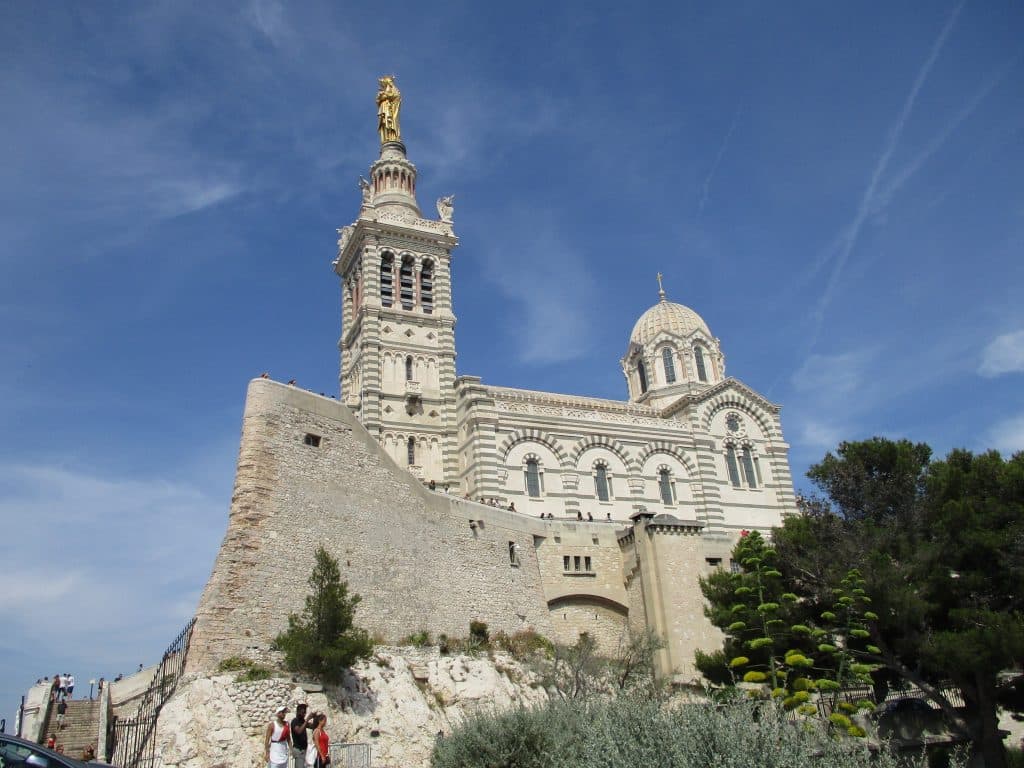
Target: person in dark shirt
[299, 740]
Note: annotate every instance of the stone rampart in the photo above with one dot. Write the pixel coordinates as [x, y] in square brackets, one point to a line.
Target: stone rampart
[413, 556]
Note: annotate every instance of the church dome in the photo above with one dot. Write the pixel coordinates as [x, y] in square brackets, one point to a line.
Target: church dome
[669, 317]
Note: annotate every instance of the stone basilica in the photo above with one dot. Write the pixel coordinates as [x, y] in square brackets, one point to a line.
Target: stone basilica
[689, 440]
[610, 511]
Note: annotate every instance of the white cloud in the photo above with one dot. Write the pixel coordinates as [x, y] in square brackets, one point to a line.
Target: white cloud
[553, 288]
[90, 554]
[831, 378]
[1004, 354]
[1007, 437]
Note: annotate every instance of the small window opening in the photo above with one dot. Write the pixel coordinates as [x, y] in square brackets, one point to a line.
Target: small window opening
[698, 356]
[748, 468]
[513, 557]
[601, 482]
[670, 366]
[713, 562]
[642, 374]
[387, 280]
[532, 478]
[665, 487]
[565, 562]
[586, 564]
[576, 562]
[410, 449]
[427, 287]
[313, 441]
[405, 283]
[730, 463]
[408, 368]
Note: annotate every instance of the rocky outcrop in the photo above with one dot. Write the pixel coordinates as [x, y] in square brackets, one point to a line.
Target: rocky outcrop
[398, 702]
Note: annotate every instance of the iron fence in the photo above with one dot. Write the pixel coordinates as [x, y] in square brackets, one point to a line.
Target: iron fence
[344, 755]
[131, 744]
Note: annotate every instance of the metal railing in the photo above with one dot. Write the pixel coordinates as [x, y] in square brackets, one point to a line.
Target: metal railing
[131, 744]
[350, 755]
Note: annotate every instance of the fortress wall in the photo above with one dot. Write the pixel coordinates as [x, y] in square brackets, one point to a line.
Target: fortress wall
[677, 559]
[411, 554]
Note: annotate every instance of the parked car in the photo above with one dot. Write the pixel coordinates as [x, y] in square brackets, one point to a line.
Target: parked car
[16, 752]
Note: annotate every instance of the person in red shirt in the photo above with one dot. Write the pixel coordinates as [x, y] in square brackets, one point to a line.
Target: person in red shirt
[322, 742]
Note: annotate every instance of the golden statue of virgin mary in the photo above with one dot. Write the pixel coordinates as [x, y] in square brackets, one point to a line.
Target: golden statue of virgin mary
[389, 102]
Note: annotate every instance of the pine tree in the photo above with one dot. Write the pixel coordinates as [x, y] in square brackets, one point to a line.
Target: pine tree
[323, 641]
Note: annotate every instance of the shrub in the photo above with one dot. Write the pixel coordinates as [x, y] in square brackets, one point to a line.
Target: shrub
[522, 645]
[418, 639]
[632, 731]
[478, 634]
[233, 664]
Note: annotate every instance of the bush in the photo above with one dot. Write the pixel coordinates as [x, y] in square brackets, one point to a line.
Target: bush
[478, 634]
[233, 664]
[251, 671]
[523, 645]
[419, 639]
[631, 731]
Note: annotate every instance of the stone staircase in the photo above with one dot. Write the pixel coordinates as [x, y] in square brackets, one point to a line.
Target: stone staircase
[81, 723]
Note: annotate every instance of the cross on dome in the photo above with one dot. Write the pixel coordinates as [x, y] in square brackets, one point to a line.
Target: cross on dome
[661, 289]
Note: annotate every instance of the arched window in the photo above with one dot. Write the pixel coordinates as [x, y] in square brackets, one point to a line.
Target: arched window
[730, 464]
[410, 450]
[670, 366]
[387, 280]
[532, 473]
[642, 374]
[427, 287]
[698, 356]
[601, 484]
[405, 283]
[748, 467]
[665, 487]
[408, 368]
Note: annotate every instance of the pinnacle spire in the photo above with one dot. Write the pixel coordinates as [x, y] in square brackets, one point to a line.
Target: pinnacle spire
[661, 289]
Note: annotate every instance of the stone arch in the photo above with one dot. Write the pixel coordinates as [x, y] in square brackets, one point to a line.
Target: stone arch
[588, 597]
[536, 436]
[662, 446]
[740, 403]
[611, 444]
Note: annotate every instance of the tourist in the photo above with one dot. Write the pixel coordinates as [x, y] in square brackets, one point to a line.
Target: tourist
[432, 485]
[139, 669]
[62, 687]
[300, 740]
[51, 741]
[99, 687]
[277, 740]
[71, 686]
[119, 678]
[446, 487]
[55, 688]
[579, 515]
[511, 506]
[291, 382]
[590, 518]
[322, 742]
[89, 753]
[608, 516]
[264, 375]
[62, 709]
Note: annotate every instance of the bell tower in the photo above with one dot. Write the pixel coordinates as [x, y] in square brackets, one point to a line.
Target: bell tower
[398, 329]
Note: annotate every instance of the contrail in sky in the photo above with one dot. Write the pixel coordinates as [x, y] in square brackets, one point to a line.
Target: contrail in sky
[706, 192]
[848, 237]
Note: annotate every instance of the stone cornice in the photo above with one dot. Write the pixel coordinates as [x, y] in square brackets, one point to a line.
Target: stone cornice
[510, 394]
[390, 224]
[696, 398]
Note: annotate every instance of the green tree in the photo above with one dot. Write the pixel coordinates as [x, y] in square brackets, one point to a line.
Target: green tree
[776, 638]
[941, 547]
[323, 641]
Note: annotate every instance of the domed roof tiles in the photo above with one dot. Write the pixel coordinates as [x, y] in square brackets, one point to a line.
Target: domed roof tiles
[670, 317]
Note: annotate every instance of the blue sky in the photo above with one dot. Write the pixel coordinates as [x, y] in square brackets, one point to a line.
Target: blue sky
[836, 188]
